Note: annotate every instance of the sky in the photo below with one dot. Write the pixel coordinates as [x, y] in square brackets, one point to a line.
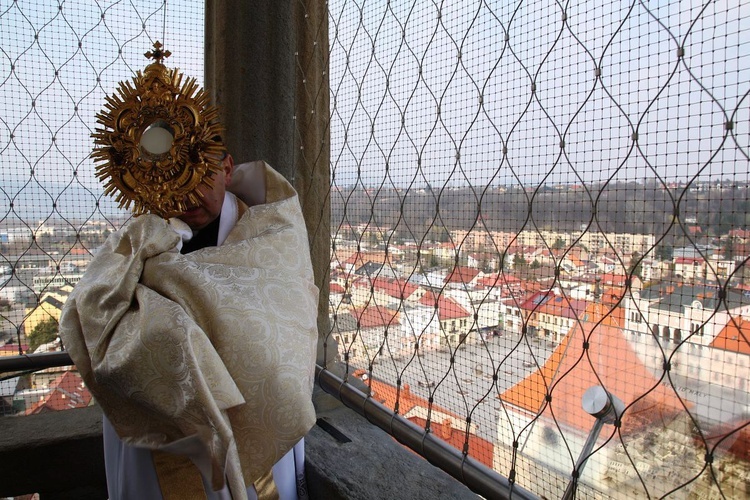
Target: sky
[447, 88]
[58, 61]
[421, 91]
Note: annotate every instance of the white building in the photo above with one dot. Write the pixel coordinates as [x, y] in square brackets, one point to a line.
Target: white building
[543, 414]
[692, 313]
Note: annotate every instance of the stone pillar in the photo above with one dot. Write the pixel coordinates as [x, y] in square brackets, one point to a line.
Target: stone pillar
[266, 70]
[250, 74]
[312, 149]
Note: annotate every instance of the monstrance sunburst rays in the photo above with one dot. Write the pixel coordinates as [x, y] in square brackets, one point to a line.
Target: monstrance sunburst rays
[159, 141]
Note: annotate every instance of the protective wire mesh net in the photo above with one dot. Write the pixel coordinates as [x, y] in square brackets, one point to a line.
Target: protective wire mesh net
[58, 61]
[530, 199]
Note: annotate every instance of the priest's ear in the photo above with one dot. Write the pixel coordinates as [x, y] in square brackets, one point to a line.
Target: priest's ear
[227, 165]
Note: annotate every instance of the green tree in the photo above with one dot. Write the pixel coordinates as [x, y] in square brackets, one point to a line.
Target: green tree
[558, 244]
[636, 266]
[433, 261]
[664, 252]
[728, 248]
[484, 264]
[535, 265]
[44, 332]
[519, 261]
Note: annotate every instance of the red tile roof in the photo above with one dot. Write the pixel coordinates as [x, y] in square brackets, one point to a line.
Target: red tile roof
[734, 337]
[12, 349]
[531, 286]
[446, 425]
[66, 392]
[611, 295]
[497, 280]
[570, 371]
[479, 449]
[461, 274]
[395, 288]
[76, 250]
[739, 233]
[447, 307]
[361, 258]
[733, 437]
[575, 260]
[613, 279]
[688, 260]
[533, 302]
[563, 307]
[373, 316]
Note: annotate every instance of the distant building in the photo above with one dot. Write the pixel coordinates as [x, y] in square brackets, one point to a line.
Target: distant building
[53, 281]
[361, 333]
[690, 269]
[420, 327]
[557, 316]
[446, 253]
[364, 263]
[8, 388]
[344, 331]
[66, 392]
[741, 235]
[484, 310]
[543, 412]
[720, 268]
[455, 321]
[383, 290]
[730, 356]
[693, 252]
[462, 276]
[49, 307]
[709, 327]
[484, 260]
[13, 349]
[693, 312]
[396, 290]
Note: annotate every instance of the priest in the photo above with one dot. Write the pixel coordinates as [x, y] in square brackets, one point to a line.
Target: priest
[194, 325]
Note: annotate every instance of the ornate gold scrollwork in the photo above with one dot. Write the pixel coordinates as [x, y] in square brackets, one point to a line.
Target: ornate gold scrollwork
[159, 142]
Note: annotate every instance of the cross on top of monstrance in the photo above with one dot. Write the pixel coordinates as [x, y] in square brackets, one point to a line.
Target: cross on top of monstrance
[157, 54]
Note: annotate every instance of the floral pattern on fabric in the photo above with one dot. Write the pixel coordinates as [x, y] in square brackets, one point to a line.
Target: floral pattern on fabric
[217, 345]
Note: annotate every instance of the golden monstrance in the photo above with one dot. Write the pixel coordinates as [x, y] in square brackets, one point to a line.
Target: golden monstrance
[159, 142]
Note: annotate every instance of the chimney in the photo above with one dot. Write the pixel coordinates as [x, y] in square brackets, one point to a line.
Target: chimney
[447, 429]
[597, 289]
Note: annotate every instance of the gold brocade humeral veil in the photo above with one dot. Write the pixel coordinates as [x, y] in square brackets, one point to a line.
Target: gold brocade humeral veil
[217, 345]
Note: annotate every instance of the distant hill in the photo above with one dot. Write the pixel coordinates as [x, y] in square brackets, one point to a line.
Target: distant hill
[618, 207]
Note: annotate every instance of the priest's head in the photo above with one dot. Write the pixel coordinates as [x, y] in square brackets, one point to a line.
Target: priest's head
[198, 216]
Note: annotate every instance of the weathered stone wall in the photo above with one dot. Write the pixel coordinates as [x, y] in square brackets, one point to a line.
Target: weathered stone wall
[59, 455]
